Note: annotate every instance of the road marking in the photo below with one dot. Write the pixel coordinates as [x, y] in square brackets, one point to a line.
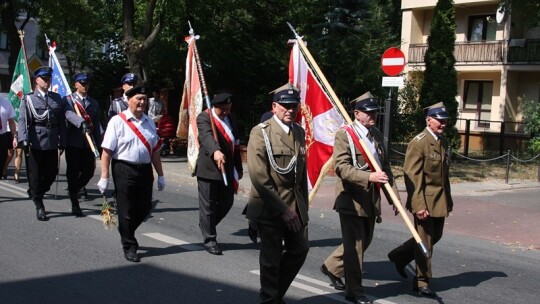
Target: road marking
[13, 189]
[173, 241]
[331, 295]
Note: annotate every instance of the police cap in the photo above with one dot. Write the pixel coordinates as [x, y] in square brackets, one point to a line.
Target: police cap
[437, 110]
[81, 77]
[43, 71]
[221, 98]
[136, 90]
[366, 103]
[129, 77]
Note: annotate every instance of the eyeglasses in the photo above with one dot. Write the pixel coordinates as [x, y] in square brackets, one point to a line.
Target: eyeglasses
[289, 106]
[45, 78]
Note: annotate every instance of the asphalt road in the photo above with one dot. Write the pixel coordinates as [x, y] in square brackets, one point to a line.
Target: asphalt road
[77, 260]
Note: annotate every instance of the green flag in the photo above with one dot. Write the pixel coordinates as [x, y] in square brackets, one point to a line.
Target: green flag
[20, 83]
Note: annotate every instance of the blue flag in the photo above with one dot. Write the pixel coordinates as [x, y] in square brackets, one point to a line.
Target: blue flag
[59, 83]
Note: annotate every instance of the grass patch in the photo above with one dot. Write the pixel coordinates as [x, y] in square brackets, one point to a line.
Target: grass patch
[472, 171]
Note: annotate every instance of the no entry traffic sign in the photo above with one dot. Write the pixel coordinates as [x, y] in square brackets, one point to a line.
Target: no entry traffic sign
[392, 61]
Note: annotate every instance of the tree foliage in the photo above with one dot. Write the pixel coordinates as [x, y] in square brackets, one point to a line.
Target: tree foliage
[440, 76]
[524, 10]
[531, 114]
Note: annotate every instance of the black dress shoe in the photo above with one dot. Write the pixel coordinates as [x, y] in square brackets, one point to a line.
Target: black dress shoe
[252, 233]
[40, 214]
[399, 268]
[335, 281]
[76, 210]
[359, 300]
[425, 291]
[214, 250]
[132, 256]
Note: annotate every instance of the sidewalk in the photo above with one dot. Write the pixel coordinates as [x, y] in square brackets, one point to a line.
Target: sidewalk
[490, 210]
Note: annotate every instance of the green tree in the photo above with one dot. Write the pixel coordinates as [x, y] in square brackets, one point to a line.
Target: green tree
[531, 118]
[440, 77]
[524, 10]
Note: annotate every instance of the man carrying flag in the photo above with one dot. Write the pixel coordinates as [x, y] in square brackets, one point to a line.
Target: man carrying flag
[80, 158]
[358, 198]
[215, 197]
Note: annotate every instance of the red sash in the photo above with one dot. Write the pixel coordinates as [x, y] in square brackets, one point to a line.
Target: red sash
[231, 145]
[139, 134]
[358, 146]
[84, 115]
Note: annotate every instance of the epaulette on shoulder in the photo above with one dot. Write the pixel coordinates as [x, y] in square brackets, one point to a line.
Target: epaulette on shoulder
[263, 125]
[420, 136]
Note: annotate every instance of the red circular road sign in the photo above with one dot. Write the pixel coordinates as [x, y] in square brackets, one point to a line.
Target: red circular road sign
[392, 61]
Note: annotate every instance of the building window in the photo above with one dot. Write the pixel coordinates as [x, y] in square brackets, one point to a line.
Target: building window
[478, 95]
[482, 28]
[4, 41]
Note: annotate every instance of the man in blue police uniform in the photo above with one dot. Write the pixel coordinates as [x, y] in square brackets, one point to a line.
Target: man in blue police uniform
[42, 132]
[120, 104]
[80, 158]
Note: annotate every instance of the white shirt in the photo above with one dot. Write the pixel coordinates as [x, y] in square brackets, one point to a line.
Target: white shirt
[124, 143]
[6, 112]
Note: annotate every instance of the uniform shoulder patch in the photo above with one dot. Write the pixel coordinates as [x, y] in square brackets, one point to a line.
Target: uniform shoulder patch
[420, 136]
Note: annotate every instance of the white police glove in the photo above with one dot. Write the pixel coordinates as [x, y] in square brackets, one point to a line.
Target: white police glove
[103, 184]
[160, 183]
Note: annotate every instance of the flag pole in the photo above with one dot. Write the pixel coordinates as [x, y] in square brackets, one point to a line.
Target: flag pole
[21, 37]
[205, 92]
[341, 110]
[89, 137]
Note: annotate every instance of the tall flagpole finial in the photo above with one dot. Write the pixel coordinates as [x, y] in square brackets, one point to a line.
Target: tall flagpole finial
[191, 31]
[294, 31]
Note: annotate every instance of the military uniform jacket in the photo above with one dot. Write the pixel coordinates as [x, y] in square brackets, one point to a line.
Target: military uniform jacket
[355, 194]
[206, 166]
[76, 137]
[48, 133]
[271, 192]
[426, 175]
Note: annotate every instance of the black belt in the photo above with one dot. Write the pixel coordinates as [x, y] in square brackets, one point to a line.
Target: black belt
[47, 125]
[133, 165]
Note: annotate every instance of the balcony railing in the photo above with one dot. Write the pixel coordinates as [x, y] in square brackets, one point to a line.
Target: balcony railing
[464, 52]
[517, 51]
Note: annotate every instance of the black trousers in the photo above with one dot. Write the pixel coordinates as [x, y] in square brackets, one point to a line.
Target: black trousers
[133, 186]
[81, 164]
[215, 201]
[281, 256]
[6, 143]
[42, 168]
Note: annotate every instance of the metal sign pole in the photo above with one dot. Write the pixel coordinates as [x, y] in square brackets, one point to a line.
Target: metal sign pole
[387, 114]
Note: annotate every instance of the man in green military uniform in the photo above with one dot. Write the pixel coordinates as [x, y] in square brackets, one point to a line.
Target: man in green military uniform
[428, 195]
[358, 198]
[279, 195]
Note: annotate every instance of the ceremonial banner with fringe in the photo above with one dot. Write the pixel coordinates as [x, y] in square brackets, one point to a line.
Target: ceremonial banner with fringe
[319, 118]
[20, 83]
[191, 106]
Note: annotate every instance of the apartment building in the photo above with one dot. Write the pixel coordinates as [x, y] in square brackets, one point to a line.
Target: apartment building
[497, 62]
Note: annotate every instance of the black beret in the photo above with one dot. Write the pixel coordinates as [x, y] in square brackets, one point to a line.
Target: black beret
[221, 98]
[135, 90]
